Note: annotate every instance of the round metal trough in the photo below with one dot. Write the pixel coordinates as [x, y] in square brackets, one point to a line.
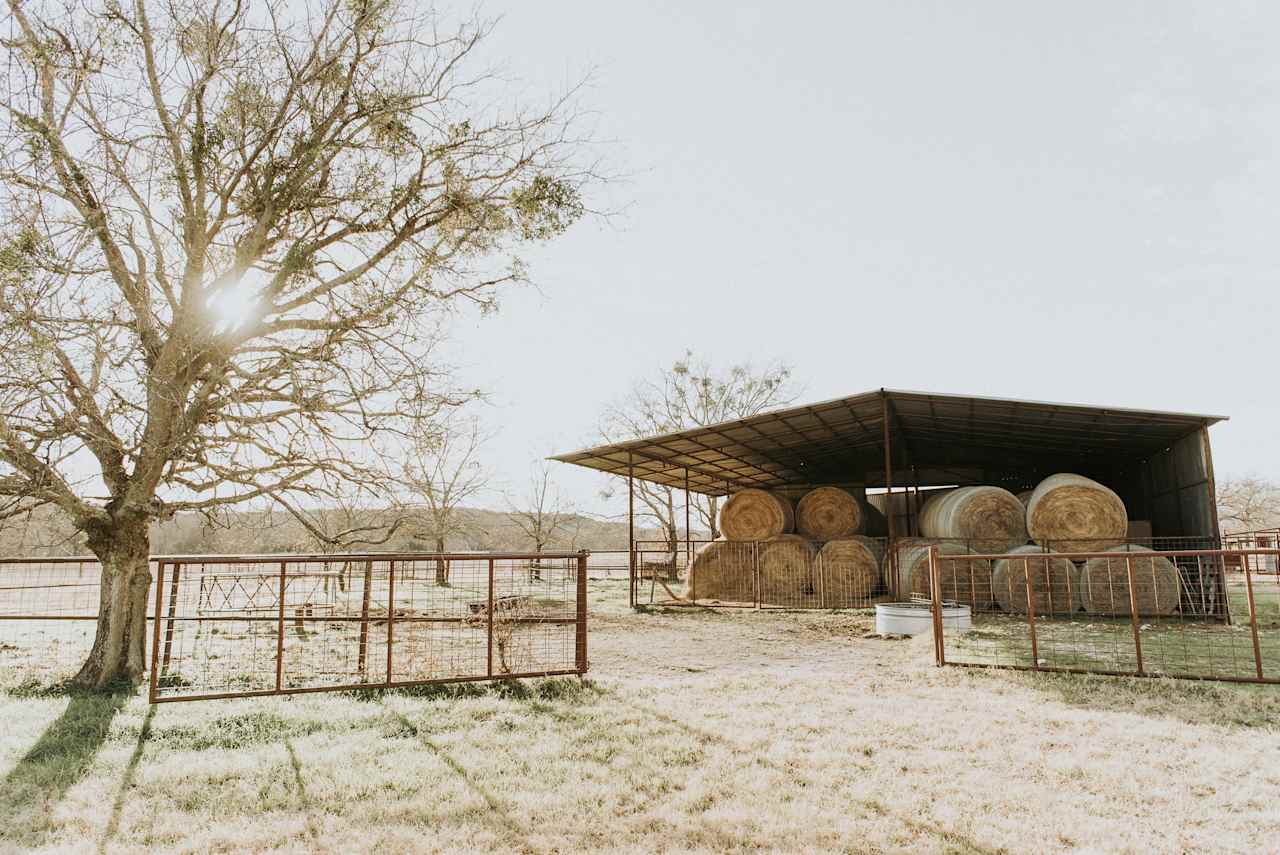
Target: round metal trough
[917, 618]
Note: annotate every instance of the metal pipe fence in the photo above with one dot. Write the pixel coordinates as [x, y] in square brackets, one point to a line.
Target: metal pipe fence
[1131, 612]
[235, 626]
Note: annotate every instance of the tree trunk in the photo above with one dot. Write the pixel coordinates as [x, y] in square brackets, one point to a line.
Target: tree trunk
[119, 647]
[442, 566]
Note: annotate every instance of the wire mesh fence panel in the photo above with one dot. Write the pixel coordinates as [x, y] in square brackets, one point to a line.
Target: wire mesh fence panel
[1205, 614]
[48, 614]
[226, 627]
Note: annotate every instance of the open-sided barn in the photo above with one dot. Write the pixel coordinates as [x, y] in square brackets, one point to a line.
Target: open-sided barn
[903, 443]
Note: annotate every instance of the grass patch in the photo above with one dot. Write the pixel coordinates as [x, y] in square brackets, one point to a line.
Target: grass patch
[698, 732]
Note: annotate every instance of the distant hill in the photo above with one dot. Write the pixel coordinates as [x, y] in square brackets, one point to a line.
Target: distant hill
[46, 531]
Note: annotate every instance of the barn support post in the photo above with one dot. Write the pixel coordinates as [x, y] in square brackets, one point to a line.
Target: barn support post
[1219, 570]
[888, 486]
[688, 535]
[914, 519]
[631, 527]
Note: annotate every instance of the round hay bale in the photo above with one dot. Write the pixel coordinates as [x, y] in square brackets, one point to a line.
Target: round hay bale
[1054, 582]
[901, 545]
[1025, 497]
[963, 580]
[829, 513]
[847, 572]
[756, 515]
[1071, 513]
[722, 571]
[786, 571]
[1104, 583]
[988, 519]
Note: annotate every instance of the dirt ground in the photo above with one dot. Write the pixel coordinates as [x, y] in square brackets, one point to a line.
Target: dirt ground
[696, 732]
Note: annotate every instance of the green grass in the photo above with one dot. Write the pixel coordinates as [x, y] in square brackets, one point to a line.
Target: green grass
[1169, 646]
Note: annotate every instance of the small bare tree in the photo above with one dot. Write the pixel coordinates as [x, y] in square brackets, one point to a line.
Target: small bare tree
[542, 513]
[691, 393]
[1248, 504]
[441, 474]
[230, 233]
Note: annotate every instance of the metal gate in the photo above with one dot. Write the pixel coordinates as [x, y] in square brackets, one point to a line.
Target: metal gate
[1201, 614]
[232, 627]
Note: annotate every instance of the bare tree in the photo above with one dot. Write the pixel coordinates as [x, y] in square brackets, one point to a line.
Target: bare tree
[230, 234]
[351, 519]
[1248, 504]
[542, 513]
[442, 474]
[691, 393]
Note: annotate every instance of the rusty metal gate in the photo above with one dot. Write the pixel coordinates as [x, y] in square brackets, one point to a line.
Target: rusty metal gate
[1200, 614]
[232, 627]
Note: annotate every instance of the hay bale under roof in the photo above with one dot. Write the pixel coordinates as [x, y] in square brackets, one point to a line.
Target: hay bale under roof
[829, 513]
[847, 571]
[754, 515]
[1104, 583]
[901, 546]
[1071, 513]
[723, 571]
[1054, 582]
[963, 580]
[987, 519]
[786, 572]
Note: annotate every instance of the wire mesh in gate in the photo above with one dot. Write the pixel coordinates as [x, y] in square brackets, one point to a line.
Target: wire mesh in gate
[228, 627]
[1200, 614]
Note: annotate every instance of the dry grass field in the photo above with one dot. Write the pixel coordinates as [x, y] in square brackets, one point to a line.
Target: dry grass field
[697, 732]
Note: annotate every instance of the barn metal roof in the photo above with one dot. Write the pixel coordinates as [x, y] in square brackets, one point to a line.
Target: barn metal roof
[941, 438]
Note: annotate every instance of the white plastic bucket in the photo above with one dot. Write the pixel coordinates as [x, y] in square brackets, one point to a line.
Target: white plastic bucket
[917, 618]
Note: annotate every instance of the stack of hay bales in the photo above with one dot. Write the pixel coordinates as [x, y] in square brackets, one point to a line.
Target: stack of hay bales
[725, 569]
[812, 554]
[815, 553]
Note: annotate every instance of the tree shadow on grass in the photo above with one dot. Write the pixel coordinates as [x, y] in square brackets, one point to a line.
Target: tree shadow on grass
[55, 763]
[126, 780]
[496, 814]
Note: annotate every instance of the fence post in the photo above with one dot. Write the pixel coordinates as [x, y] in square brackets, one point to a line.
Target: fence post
[581, 627]
[391, 612]
[1031, 613]
[280, 631]
[489, 617]
[364, 618]
[1133, 614]
[173, 607]
[1253, 615]
[155, 635]
[935, 593]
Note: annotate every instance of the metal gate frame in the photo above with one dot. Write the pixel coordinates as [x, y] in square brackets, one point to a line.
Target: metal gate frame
[1265, 671]
[169, 571]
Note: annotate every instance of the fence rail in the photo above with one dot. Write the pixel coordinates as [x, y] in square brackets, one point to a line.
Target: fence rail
[234, 626]
[1128, 612]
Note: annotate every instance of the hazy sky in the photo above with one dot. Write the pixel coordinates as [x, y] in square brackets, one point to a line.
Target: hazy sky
[1059, 201]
